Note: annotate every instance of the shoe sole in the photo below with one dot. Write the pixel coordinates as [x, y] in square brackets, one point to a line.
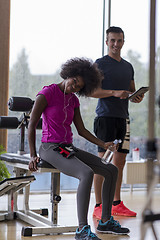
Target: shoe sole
[126, 215]
[110, 232]
[116, 214]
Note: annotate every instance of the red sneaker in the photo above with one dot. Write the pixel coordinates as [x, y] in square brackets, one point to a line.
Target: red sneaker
[97, 212]
[122, 210]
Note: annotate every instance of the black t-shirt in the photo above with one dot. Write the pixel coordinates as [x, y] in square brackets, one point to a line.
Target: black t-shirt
[117, 76]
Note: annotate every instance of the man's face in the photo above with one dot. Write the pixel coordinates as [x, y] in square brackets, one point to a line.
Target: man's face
[115, 42]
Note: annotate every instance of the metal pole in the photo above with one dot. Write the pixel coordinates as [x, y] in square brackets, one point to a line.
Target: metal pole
[103, 30]
[109, 13]
[151, 144]
[151, 113]
[151, 116]
[104, 23]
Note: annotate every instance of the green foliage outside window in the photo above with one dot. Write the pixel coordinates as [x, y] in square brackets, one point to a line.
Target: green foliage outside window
[24, 83]
[4, 173]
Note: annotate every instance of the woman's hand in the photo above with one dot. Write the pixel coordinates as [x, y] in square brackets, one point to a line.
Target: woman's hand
[111, 146]
[33, 163]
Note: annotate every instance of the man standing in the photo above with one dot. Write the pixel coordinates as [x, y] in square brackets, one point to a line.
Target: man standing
[112, 121]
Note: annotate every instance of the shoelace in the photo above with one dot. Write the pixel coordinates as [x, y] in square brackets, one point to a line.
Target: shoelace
[115, 223]
[89, 233]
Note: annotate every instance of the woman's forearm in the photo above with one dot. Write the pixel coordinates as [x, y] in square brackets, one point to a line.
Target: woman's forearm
[32, 141]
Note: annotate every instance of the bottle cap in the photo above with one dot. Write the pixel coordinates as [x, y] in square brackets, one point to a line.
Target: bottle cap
[136, 149]
[116, 141]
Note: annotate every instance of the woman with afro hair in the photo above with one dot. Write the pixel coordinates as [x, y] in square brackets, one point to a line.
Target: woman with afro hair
[59, 107]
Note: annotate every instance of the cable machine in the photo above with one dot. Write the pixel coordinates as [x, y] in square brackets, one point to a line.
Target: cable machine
[152, 146]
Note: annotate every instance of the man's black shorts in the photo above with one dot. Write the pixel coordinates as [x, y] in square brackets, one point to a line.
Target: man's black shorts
[110, 128]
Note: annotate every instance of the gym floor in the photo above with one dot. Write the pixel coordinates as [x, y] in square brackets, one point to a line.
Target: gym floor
[11, 230]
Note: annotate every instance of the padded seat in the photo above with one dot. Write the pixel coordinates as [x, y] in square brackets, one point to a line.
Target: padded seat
[23, 159]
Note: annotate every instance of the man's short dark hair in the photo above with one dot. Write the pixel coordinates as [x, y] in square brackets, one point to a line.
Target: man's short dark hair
[114, 29]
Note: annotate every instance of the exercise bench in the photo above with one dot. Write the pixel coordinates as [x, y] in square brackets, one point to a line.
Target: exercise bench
[20, 162]
[10, 186]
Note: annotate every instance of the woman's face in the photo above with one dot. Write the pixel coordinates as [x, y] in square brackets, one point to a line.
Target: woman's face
[74, 84]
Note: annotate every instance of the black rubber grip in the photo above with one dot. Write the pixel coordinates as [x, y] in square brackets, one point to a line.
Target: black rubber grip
[20, 104]
[8, 122]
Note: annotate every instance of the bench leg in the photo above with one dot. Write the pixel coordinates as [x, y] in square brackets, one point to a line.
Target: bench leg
[55, 197]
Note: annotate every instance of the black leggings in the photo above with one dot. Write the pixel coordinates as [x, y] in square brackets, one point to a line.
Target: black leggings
[82, 166]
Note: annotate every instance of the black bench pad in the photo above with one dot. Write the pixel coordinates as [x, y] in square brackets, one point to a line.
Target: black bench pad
[22, 159]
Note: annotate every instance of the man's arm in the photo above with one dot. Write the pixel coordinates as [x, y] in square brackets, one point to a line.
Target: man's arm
[102, 93]
[132, 86]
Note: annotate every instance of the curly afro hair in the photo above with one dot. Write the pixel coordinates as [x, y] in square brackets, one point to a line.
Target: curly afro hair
[86, 69]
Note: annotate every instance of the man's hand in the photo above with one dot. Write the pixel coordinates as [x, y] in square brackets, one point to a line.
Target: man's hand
[122, 94]
[137, 99]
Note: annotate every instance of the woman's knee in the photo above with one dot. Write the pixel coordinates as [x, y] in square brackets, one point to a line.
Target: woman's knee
[87, 174]
[114, 170]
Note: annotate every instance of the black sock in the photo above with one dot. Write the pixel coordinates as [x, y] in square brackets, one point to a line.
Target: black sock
[116, 202]
[98, 204]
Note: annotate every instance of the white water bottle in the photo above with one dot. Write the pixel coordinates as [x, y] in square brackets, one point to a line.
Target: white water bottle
[135, 154]
[111, 149]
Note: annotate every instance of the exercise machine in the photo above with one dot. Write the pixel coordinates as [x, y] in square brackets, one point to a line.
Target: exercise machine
[20, 161]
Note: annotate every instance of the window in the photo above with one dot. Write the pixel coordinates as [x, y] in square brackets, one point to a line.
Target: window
[44, 34]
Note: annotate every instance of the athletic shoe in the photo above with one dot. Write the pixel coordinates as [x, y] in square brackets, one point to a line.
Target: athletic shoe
[122, 210]
[97, 212]
[85, 234]
[112, 226]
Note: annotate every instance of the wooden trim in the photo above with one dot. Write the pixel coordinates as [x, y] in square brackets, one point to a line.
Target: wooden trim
[4, 63]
